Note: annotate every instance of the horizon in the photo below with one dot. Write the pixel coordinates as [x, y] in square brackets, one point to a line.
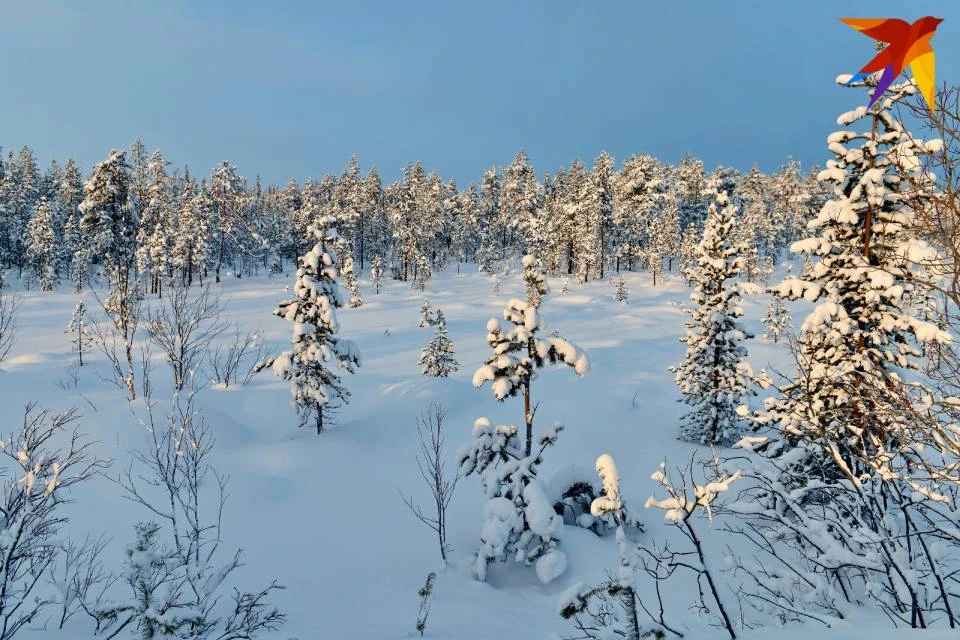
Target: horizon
[294, 93]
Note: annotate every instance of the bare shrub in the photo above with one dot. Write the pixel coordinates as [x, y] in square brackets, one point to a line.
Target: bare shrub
[183, 326]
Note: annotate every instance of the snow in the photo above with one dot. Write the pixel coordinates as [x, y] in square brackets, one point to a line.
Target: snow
[551, 566]
[321, 513]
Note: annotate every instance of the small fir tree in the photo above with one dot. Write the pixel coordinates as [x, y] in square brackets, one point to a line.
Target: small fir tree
[317, 388]
[78, 328]
[437, 359]
[427, 318]
[376, 274]
[714, 376]
[776, 320]
[620, 289]
[350, 281]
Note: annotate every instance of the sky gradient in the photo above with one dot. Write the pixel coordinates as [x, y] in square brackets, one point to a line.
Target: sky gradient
[293, 89]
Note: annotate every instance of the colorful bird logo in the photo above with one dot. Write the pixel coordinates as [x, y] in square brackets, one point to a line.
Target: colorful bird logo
[907, 44]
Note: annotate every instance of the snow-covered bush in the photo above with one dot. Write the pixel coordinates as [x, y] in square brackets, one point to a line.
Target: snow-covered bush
[183, 325]
[177, 569]
[620, 289]
[686, 498]
[519, 520]
[226, 361]
[572, 491]
[592, 608]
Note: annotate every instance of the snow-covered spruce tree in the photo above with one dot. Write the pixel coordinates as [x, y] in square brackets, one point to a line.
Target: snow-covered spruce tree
[519, 521]
[155, 232]
[421, 274]
[225, 192]
[847, 453]
[316, 386]
[69, 195]
[520, 208]
[861, 335]
[620, 289]
[376, 273]
[688, 251]
[776, 320]
[41, 246]
[518, 349]
[714, 376]
[79, 330]
[157, 610]
[352, 284]
[437, 359]
[427, 318]
[108, 223]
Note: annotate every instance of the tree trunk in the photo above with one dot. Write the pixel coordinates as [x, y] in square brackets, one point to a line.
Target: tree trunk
[220, 255]
[528, 418]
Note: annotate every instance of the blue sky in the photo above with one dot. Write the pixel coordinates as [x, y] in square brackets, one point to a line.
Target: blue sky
[293, 89]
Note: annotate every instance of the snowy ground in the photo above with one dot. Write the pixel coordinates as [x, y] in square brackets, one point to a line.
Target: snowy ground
[322, 514]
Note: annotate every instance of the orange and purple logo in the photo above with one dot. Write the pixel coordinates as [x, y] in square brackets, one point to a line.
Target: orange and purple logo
[907, 45]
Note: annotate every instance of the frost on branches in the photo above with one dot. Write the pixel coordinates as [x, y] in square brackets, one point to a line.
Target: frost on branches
[519, 520]
[316, 385]
[714, 376]
[437, 359]
[519, 350]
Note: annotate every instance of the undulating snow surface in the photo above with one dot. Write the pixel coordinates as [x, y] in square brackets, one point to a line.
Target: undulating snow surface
[322, 514]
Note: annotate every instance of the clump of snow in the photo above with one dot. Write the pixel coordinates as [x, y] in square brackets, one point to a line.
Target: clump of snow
[551, 566]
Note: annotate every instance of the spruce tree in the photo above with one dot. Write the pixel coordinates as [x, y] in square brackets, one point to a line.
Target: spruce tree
[437, 359]
[225, 192]
[427, 318]
[376, 273]
[620, 289]
[776, 320]
[688, 251]
[352, 284]
[42, 247]
[861, 335]
[714, 376]
[78, 328]
[316, 386]
[108, 223]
